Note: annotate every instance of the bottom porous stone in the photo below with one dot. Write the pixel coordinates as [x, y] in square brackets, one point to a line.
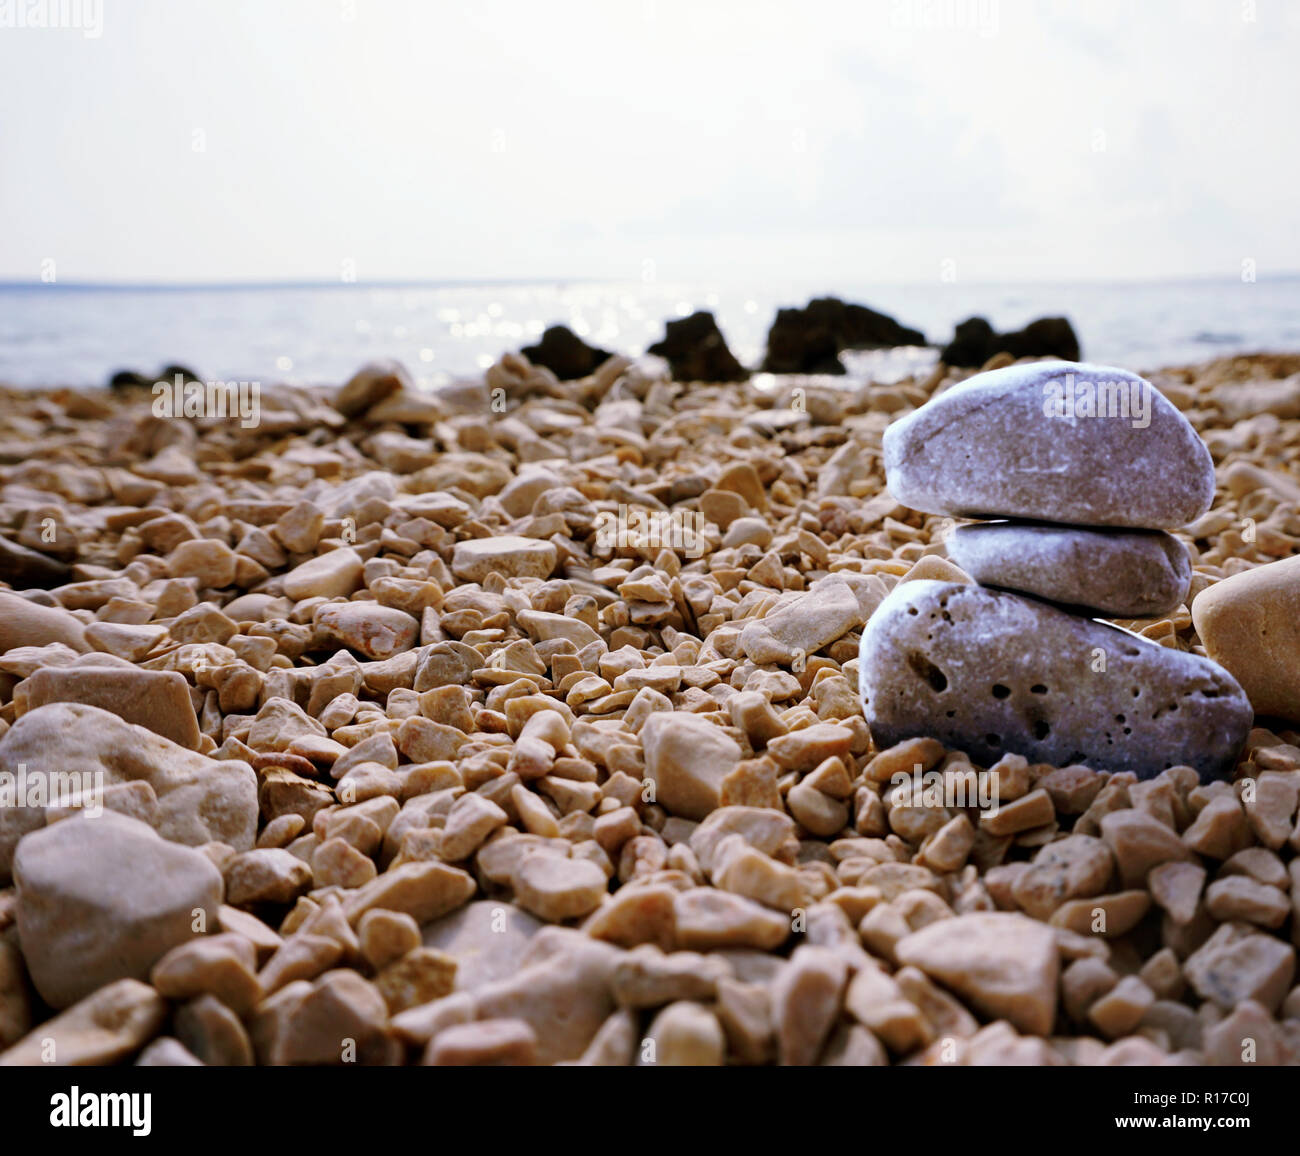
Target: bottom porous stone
[989, 672]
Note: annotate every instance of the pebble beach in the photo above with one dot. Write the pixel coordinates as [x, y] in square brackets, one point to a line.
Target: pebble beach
[602, 721]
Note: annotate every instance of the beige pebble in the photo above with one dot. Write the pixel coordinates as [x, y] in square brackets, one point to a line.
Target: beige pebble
[685, 1034]
[103, 1028]
[556, 889]
[498, 1042]
[1006, 964]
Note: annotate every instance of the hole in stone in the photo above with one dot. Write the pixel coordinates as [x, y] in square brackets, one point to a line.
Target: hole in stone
[1136, 692]
[1209, 694]
[926, 669]
[1119, 718]
[913, 610]
[1000, 691]
[952, 714]
[1038, 688]
[1042, 730]
[993, 740]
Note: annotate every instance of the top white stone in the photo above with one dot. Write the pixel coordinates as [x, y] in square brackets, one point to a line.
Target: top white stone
[1058, 441]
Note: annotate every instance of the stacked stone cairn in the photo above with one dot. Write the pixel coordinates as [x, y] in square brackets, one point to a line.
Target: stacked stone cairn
[1088, 467]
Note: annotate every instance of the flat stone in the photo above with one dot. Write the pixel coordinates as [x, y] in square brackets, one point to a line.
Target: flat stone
[1113, 573]
[1250, 622]
[508, 555]
[802, 625]
[989, 673]
[988, 447]
[334, 574]
[687, 757]
[200, 800]
[102, 899]
[1005, 964]
[156, 699]
[104, 1028]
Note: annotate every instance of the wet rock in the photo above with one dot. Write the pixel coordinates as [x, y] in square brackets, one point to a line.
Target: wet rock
[1112, 573]
[988, 672]
[1019, 442]
[697, 351]
[102, 899]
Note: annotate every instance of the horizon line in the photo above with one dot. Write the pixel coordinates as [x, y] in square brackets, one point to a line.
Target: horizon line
[507, 282]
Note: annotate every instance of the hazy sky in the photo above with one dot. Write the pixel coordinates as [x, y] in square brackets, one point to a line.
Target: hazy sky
[875, 140]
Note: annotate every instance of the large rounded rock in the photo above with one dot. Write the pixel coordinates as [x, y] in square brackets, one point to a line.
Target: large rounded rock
[102, 899]
[988, 672]
[1114, 573]
[199, 799]
[1056, 441]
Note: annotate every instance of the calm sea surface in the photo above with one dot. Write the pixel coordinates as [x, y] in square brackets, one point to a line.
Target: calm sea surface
[66, 335]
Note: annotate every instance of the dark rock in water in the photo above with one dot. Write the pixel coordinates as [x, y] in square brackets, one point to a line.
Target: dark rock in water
[1113, 573]
[565, 354]
[809, 340]
[987, 672]
[1052, 441]
[172, 372]
[696, 350]
[971, 345]
[975, 341]
[800, 343]
[26, 569]
[129, 379]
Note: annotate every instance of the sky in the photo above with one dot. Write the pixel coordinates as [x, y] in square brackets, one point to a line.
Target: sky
[879, 140]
